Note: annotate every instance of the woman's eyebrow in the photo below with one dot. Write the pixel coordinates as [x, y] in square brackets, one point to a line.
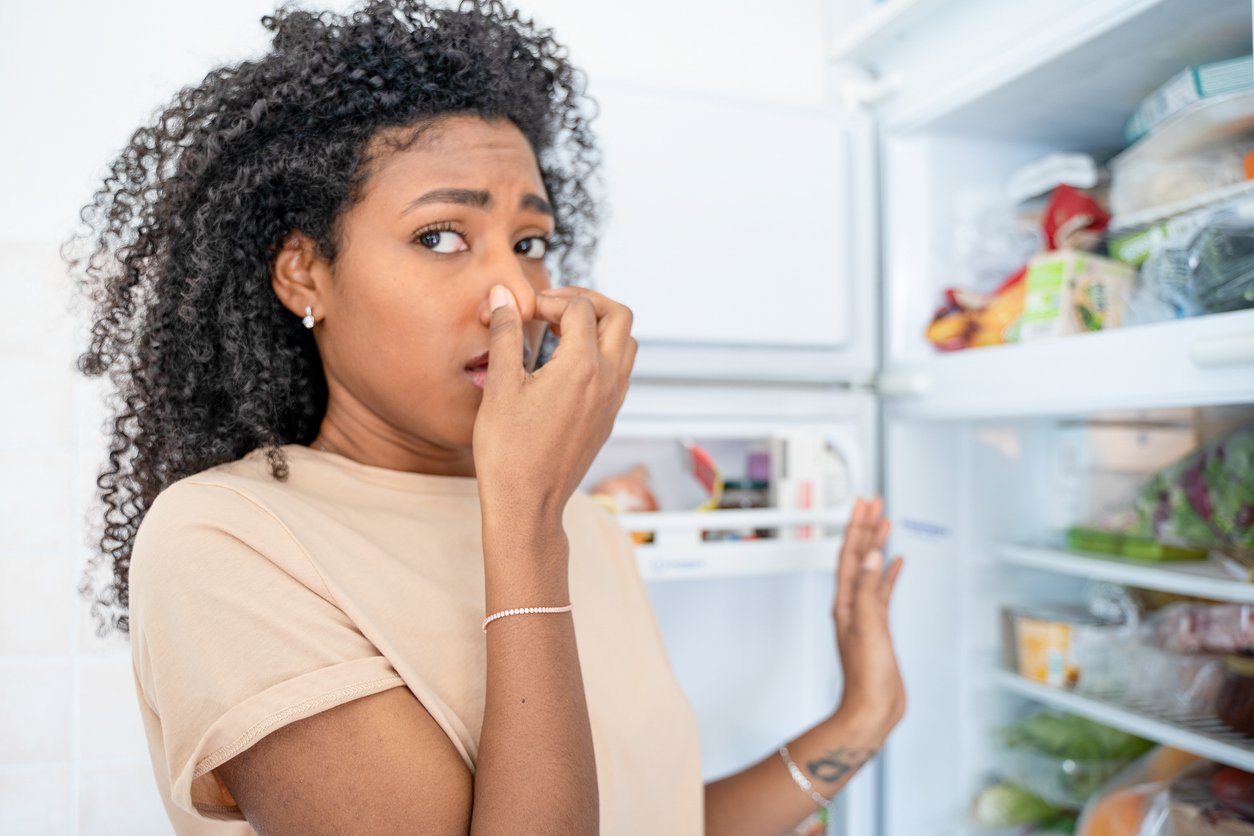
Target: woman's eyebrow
[466, 197]
[536, 203]
[477, 199]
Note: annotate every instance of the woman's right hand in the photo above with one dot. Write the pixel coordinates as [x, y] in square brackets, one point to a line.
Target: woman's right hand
[537, 433]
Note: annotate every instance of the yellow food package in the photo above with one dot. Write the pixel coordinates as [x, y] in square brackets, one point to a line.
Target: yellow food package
[1071, 292]
[1044, 651]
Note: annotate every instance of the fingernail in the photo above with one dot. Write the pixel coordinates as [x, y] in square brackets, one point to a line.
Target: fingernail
[874, 559]
[498, 297]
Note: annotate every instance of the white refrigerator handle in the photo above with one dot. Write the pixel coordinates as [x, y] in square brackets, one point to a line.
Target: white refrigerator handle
[1226, 350]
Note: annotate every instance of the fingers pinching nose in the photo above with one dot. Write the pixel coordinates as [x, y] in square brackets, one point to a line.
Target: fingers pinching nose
[499, 297]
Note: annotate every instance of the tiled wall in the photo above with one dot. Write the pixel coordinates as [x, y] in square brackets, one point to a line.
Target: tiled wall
[72, 752]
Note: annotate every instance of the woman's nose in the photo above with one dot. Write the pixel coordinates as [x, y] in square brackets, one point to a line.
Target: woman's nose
[507, 271]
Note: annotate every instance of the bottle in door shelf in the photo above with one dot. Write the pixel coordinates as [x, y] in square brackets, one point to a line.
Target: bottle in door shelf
[807, 473]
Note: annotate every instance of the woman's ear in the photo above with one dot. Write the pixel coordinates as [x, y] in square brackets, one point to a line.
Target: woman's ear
[299, 275]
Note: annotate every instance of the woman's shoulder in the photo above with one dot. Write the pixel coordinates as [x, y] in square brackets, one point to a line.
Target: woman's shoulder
[227, 509]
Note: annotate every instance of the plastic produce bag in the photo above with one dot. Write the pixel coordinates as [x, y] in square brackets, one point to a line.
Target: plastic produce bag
[1221, 263]
[1206, 498]
[1135, 802]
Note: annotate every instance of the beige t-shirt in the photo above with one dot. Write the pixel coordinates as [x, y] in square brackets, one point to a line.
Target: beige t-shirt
[255, 603]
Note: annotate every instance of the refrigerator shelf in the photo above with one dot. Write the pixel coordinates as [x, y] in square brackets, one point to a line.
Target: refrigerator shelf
[1204, 736]
[1200, 361]
[748, 558]
[1201, 578]
[679, 553]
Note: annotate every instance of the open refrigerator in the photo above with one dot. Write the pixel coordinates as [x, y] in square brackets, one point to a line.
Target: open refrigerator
[784, 263]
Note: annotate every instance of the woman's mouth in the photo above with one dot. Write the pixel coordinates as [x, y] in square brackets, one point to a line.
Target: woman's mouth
[477, 369]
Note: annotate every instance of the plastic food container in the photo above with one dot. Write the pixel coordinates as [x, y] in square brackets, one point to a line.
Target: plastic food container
[1062, 781]
[1142, 548]
[1236, 696]
[1056, 646]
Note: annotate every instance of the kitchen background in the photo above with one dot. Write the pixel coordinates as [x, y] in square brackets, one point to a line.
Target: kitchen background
[79, 77]
[994, 260]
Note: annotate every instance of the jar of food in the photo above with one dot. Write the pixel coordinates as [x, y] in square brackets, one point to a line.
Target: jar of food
[1236, 697]
[742, 494]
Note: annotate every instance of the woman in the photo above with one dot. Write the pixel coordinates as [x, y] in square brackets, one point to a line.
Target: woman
[321, 281]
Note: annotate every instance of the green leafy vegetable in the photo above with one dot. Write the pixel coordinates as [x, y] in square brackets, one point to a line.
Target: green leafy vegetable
[1074, 738]
[1006, 805]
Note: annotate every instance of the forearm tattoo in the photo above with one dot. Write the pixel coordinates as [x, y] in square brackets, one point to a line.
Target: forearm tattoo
[837, 764]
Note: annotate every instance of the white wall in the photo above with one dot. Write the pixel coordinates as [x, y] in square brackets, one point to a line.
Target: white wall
[77, 81]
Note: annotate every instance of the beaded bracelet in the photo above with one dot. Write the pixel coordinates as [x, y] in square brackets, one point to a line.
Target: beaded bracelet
[523, 611]
[802, 781]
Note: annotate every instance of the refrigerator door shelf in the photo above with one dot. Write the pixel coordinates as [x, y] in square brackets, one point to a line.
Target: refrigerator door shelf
[752, 558]
[679, 553]
[1203, 579]
[1202, 736]
[1201, 361]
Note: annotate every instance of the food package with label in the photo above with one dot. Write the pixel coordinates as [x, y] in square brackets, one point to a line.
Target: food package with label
[1065, 647]
[807, 473]
[1189, 86]
[1072, 292]
[973, 320]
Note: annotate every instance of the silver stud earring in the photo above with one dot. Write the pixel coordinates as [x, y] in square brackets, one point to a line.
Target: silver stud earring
[308, 319]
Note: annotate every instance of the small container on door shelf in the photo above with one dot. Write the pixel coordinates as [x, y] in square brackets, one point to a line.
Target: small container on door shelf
[807, 473]
[738, 495]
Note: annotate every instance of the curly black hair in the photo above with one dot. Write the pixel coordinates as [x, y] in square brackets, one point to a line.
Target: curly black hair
[180, 239]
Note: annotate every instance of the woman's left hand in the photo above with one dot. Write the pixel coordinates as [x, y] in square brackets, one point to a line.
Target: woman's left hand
[874, 693]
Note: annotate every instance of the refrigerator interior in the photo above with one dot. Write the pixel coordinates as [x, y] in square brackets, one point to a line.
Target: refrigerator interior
[981, 511]
[947, 220]
[991, 452]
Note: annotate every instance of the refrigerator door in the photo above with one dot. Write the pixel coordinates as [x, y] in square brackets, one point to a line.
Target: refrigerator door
[982, 91]
[746, 623]
[741, 233]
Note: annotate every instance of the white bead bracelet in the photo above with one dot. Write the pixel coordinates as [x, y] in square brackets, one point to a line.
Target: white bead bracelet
[523, 611]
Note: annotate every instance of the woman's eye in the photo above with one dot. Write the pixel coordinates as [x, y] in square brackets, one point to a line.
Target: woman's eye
[532, 247]
[442, 241]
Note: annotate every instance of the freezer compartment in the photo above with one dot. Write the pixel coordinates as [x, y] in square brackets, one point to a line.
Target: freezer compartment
[968, 170]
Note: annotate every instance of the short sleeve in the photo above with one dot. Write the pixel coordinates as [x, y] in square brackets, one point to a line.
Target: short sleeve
[234, 635]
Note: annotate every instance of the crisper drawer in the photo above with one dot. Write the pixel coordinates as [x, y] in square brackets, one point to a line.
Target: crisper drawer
[789, 462]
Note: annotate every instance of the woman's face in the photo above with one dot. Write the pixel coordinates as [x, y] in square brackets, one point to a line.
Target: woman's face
[403, 319]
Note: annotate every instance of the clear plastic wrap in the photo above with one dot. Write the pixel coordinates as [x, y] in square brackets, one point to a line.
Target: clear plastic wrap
[1138, 185]
[1175, 683]
[1213, 628]
[1220, 261]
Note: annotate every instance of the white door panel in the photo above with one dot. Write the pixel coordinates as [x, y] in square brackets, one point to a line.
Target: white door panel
[729, 227]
